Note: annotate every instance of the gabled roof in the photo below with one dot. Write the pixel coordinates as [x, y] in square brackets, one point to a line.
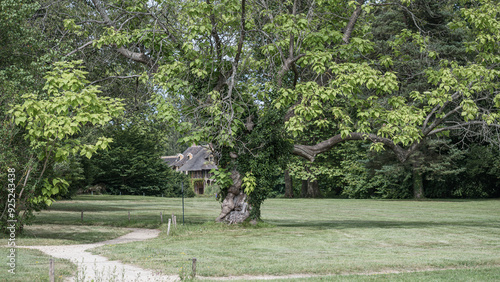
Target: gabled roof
[200, 161]
[191, 150]
[169, 159]
[194, 158]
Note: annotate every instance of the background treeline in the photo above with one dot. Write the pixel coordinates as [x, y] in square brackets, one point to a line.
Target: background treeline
[165, 68]
[448, 171]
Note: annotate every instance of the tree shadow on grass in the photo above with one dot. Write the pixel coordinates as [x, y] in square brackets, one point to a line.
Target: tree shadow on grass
[383, 224]
[73, 234]
[89, 208]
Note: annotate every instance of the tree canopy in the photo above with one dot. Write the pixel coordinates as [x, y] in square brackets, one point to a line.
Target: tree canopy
[263, 80]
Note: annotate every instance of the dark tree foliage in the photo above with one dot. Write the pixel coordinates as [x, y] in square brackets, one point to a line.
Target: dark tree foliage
[476, 175]
[448, 171]
[132, 166]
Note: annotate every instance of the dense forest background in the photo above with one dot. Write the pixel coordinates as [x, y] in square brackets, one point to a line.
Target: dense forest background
[359, 99]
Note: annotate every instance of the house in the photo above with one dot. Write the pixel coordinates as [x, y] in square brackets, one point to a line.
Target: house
[195, 161]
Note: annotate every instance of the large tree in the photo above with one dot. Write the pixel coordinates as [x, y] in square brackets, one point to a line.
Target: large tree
[251, 77]
[42, 107]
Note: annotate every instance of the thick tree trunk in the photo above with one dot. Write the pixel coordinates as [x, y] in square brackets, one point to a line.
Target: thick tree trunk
[235, 207]
[288, 185]
[310, 189]
[313, 189]
[418, 183]
[303, 190]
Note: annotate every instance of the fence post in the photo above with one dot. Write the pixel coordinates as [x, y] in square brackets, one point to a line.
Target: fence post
[175, 221]
[51, 270]
[194, 267]
[82, 216]
[161, 217]
[168, 228]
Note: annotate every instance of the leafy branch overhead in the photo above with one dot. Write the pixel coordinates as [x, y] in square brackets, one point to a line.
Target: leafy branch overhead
[53, 117]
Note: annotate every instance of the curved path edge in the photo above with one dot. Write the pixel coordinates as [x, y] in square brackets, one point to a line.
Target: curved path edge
[99, 268]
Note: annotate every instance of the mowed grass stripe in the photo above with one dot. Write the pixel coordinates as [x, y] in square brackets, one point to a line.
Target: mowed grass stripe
[307, 236]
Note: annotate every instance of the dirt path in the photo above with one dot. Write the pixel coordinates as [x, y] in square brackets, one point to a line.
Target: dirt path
[99, 268]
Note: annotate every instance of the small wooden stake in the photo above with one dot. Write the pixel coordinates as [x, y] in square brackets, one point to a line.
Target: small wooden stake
[168, 228]
[82, 216]
[51, 271]
[194, 267]
[175, 221]
[161, 217]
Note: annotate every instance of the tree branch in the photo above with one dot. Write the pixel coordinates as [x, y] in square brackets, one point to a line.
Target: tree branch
[352, 21]
[309, 152]
[238, 51]
[111, 77]
[438, 121]
[102, 12]
[134, 56]
[463, 125]
[79, 48]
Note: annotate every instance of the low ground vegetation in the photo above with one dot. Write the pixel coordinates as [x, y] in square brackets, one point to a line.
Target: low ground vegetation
[332, 239]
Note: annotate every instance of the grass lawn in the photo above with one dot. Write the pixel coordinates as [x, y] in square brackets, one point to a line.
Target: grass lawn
[327, 236]
[344, 238]
[60, 234]
[113, 211]
[33, 265]
[474, 274]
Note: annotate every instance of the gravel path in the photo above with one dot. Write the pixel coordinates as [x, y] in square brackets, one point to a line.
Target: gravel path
[99, 268]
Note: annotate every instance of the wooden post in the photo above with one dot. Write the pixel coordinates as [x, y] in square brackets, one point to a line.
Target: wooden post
[175, 221]
[128, 215]
[51, 270]
[82, 216]
[168, 228]
[194, 267]
[161, 217]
